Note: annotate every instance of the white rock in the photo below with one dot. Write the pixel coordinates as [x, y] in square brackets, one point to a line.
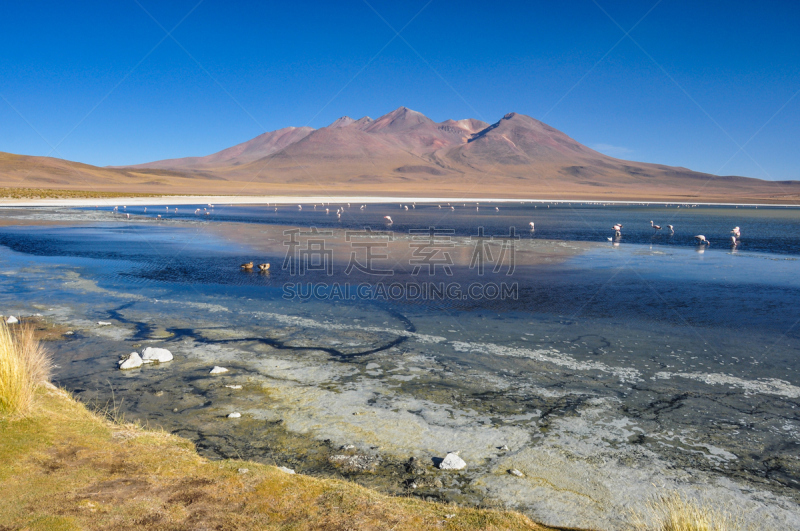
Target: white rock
[233, 386]
[244, 470]
[103, 323]
[452, 462]
[133, 361]
[515, 472]
[287, 470]
[150, 355]
[68, 333]
[234, 415]
[12, 320]
[218, 370]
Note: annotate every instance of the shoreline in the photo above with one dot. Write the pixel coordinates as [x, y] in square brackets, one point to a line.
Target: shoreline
[337, 200]
[293, 399]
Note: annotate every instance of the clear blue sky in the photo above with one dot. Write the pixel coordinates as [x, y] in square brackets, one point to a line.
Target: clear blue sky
[104, 83]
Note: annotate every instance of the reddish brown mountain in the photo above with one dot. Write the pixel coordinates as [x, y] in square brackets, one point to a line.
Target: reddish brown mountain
[257, 148]
[406, 153]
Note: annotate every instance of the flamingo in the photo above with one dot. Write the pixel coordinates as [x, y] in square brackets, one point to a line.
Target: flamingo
[702, 240]
[496, 209]
[617, 228]
[531, 225]
[362, 207]
[327, 210]
[733, 241]
[655, 227]
[299, 207]
[671, 229]
[129, 217]
[389, 218]
[145, 210]
[158, 217]
[736, 232]
[440, 206]
[452, 208]
[406, 207]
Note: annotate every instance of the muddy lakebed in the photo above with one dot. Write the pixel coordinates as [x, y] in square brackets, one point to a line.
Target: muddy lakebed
[597, 375]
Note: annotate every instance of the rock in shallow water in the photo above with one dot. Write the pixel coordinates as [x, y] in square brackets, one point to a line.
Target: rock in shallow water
[218, 370]
[356, 463]
[133, 361]
[234, 415]
[160, 355]
[452, 462]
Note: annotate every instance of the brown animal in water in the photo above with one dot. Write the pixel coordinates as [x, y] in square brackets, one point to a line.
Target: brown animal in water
[247, 266]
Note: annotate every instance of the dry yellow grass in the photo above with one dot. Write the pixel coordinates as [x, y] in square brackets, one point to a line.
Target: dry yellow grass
[55, 193]
[676, 512]
[24, 365]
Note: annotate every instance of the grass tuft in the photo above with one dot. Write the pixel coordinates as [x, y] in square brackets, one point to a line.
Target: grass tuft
[676, 512]
[24, 364]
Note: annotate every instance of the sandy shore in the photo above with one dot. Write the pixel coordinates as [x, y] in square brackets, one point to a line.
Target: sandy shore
[319, 199]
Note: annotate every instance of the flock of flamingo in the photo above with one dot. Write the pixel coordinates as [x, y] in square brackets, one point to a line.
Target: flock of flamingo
[617, 228]
[736, 234]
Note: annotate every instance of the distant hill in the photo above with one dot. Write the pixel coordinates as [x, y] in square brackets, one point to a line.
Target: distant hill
[406, 153]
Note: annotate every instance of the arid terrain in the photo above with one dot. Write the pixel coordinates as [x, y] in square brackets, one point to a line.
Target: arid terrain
[404, 153]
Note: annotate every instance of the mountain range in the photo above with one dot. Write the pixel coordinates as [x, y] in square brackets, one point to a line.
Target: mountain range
[404, 152]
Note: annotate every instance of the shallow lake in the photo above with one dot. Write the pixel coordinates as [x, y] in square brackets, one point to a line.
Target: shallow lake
[604, 371]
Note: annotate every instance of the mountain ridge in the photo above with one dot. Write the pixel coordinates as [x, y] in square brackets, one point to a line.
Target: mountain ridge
[405, 152]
